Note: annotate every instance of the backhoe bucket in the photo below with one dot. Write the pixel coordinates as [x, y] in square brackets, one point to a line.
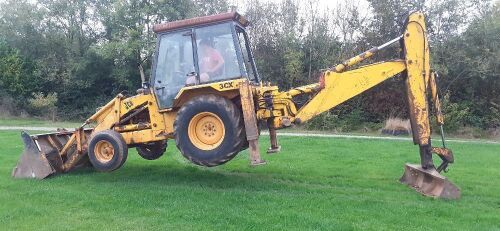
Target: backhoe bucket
[47, 154]
[429, 182]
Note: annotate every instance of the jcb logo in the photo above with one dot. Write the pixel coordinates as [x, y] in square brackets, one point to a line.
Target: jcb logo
[128, 104]
[226, 85]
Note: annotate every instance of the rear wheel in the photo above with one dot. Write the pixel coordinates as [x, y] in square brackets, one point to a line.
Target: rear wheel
[153, 150]
[107, 150]
[208, 130]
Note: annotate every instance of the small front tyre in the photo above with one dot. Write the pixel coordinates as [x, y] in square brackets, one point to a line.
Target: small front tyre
[107, 150]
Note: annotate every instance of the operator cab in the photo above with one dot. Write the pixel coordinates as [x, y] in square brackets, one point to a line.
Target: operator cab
[199, 51]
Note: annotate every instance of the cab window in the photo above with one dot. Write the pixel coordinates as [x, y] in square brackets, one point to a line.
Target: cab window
[216, 52]
[174, 66]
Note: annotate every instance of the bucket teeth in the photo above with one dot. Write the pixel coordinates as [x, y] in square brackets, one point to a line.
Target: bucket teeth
[32, 164]
[429, 182]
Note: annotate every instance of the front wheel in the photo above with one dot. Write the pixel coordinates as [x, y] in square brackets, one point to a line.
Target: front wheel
[107, 150]
[209, 130]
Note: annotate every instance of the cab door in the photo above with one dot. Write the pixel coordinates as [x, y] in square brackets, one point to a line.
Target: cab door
[174, 66]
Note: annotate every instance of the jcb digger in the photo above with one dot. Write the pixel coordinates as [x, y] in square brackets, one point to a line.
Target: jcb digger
[206, 94]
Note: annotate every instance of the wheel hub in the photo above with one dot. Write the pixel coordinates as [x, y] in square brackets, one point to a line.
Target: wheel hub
[104, 151]
[206, 131]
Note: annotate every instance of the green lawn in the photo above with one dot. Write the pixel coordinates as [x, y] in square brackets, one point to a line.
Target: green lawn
[314, 183]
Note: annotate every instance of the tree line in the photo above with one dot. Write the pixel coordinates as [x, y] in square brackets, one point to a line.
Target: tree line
[63, 59]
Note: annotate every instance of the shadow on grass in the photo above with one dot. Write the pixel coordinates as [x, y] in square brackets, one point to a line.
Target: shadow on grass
[170, 175]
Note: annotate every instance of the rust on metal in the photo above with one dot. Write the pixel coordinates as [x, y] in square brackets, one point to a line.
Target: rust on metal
[250, 120]
[68, 145]
[32, 163]
[200, 21]
[435, 99]
[429, 182]
[45, 155]
[140, 109]
[78, 141]
[55, 143]
[275, 148]
[444, 153]
[133, 127]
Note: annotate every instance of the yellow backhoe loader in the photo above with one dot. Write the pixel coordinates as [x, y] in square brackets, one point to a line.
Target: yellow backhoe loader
[206, 94]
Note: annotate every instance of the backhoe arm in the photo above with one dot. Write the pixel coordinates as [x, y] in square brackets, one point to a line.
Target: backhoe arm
[340, 87]
[340, 83]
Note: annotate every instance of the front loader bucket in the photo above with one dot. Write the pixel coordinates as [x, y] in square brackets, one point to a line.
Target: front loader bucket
[32, 164]
[47, 154]
[429, 182]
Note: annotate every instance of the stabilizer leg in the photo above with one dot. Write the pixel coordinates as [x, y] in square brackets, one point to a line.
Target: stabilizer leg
[251, 128]
[275, 148]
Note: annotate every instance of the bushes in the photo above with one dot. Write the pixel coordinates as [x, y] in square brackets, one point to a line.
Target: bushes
[17, 74]
[44, 105]
[457, 115]
[352, 121]
[86, 65]
[7, 105]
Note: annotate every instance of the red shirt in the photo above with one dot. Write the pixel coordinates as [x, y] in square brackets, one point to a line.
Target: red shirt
[211, 58]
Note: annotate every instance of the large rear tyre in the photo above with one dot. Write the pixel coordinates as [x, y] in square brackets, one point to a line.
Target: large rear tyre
[208, 130]
[153, 150]
[107, 150]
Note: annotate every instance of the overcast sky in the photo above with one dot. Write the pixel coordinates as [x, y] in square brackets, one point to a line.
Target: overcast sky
[323, 4]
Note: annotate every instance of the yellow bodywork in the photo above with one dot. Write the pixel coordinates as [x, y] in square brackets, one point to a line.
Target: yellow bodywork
[338, 85]
[160, 123]
[140, 121]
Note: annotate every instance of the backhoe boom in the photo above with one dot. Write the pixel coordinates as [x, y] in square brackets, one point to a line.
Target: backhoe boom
[341, 83]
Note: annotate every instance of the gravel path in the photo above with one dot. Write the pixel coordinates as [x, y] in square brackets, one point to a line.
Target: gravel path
[25, 128]
[379, 137]
[297, 134]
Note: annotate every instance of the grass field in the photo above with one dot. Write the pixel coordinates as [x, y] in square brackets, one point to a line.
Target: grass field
[314, 183]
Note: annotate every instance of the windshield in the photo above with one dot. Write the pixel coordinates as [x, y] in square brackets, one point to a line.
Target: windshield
[174, 65]
[217, 58]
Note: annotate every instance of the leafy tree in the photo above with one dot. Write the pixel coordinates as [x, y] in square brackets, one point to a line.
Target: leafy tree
[14, 69]
[86, 51]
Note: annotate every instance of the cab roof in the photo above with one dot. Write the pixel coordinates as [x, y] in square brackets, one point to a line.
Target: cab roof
[231, 16]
